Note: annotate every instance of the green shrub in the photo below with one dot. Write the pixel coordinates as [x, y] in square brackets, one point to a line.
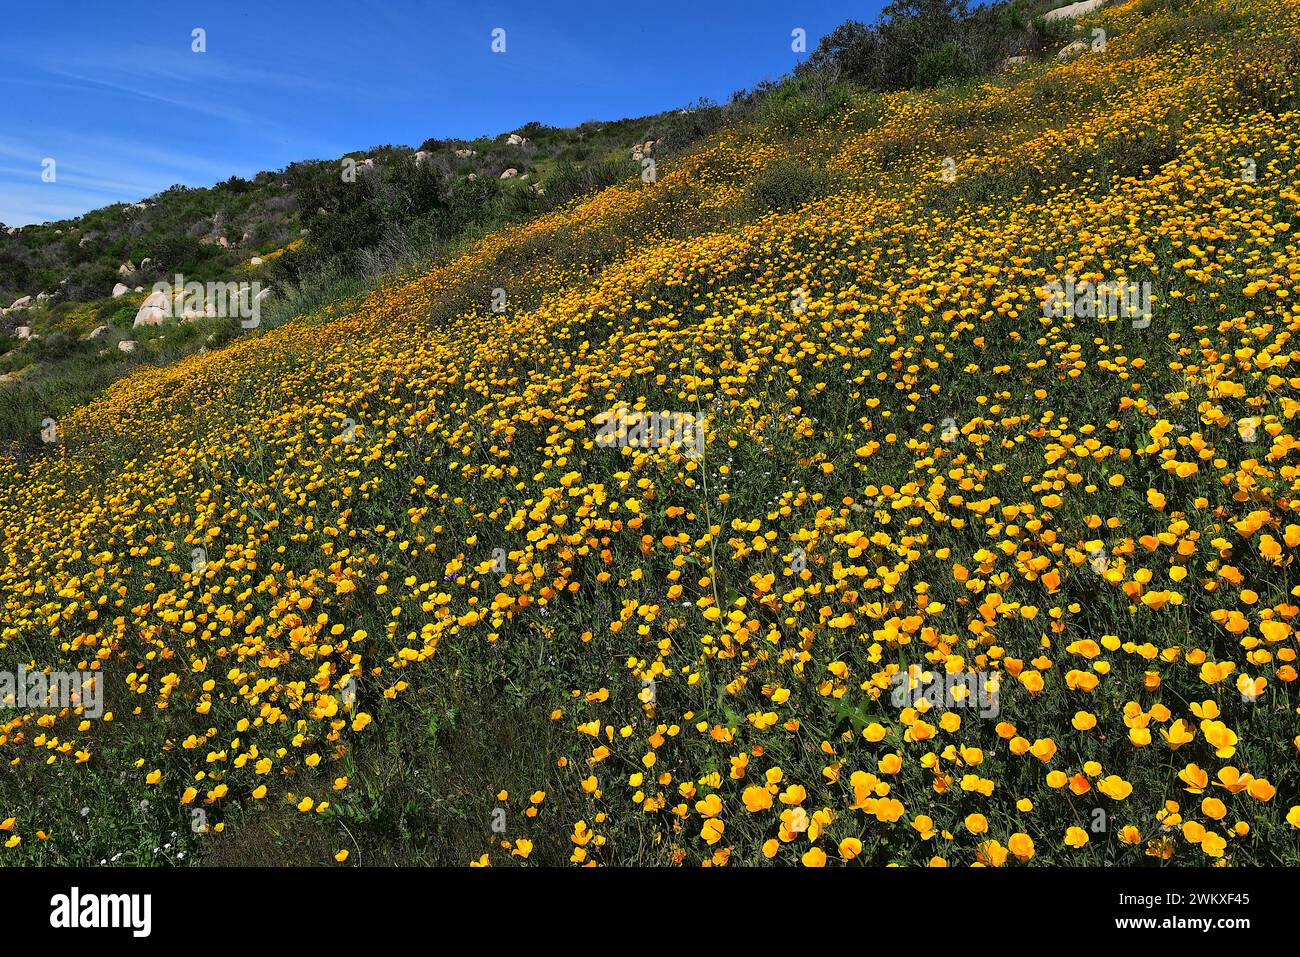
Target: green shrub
[568, 181]
[945, 64]
[784, 185]
[802, 104]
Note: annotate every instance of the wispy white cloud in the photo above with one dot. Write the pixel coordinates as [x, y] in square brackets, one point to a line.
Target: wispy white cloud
[91, 171]
[202, 106]
[175, 65]
[21, 208]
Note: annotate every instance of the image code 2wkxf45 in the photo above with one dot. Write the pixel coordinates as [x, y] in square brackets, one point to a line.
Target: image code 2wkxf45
[858, 435]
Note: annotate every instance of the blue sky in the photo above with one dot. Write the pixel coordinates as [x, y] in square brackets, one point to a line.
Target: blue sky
[114, 94]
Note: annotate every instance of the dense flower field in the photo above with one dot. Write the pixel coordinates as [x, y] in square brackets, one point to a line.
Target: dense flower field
[1084, 525]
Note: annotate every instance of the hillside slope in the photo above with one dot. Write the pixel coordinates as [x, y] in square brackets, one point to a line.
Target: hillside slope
[71, 291]
[372, 582]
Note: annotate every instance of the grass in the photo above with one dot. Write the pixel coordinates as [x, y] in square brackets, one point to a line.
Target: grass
[937, 452]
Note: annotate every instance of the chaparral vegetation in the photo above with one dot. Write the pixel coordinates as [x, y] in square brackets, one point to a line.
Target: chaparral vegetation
[949, 576]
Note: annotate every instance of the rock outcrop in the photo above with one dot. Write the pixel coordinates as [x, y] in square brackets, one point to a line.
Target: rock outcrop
[1074, 10]
[1071, 50]
[154, 311]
